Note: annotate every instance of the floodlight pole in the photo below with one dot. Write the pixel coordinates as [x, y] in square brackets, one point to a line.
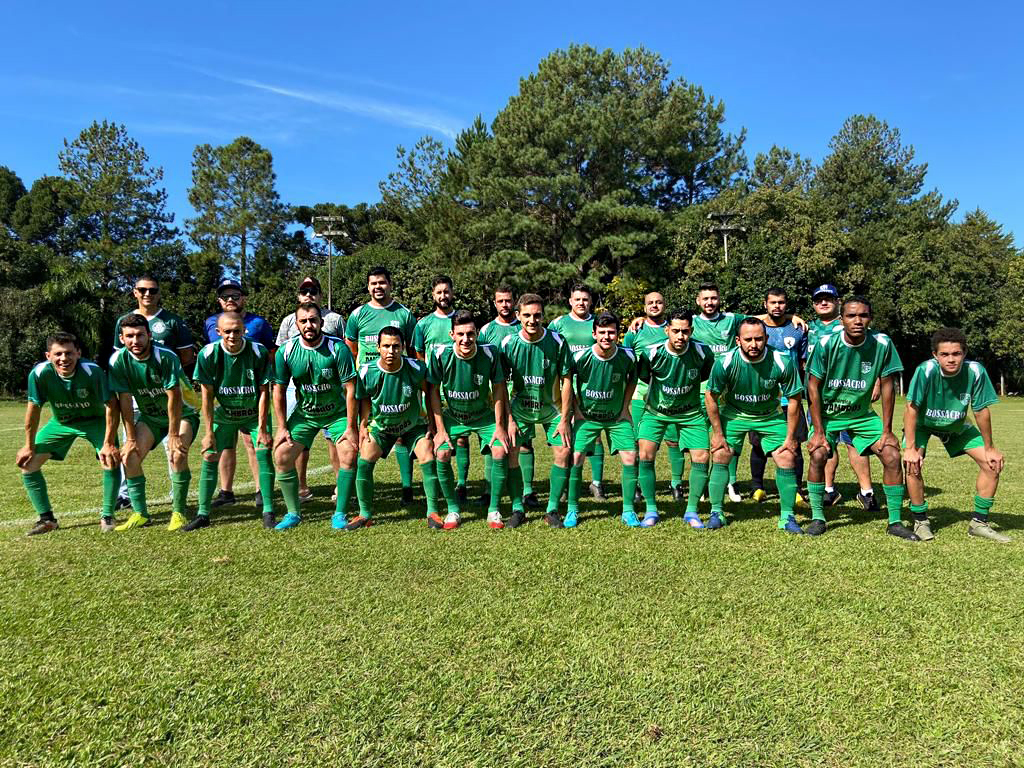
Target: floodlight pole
[724, 227]
[327, 233]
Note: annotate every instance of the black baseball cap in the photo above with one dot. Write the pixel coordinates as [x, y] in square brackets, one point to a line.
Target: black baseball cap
[229, 283]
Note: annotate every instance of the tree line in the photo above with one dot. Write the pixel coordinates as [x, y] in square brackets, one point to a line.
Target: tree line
[601, 169]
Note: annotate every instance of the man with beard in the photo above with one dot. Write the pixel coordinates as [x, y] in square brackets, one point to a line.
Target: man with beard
[507, 324]
[361, 330]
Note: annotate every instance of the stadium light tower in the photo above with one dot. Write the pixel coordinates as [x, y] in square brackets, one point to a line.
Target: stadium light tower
[724, 227]
[332, 226]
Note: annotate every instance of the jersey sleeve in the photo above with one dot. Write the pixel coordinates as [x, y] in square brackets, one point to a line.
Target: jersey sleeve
[117, 376]
[363, 386]
[263, 364]
[717, 381]
[644, 365]
[564, 364]
[815, 364]
[352, 327]
[346, 365]
[983, 394]
[182, 335]
[802, 349]
[35, 392]
[102, 384]
[629, 339]
[417, 371]
[118, 344]
[916, 390]
[497, 371]
[419, 342]
[409, 331]
[281, 373]
[171, 372]
[891, 362]
[203, 373]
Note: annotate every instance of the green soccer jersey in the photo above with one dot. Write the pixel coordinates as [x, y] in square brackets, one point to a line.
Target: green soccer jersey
[166, 328]
[600, 385]
[847, 374]
[534, 367]
[432, 331]
[83, 397]
[639, 341]
[394, 396]
[816, 329]
[753, 387]
[148, 381]
[942, 401]
[465, 384]
[319, 374]
[674, 379]
[719, 333]
[578, 334]
[494, 332]
[236, 379]
[366, 321]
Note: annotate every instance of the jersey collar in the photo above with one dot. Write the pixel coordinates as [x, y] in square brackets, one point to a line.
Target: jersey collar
[761, 359]
[544, 332]
[401, 365]
[245, 343]
[323, 338]
[842, 338]
[593, 348]
[668, 348]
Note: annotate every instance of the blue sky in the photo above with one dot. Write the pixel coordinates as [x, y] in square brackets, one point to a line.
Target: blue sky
[332, 88]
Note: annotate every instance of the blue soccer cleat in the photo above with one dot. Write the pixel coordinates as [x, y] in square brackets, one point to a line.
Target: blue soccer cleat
[716, 521]
[629, 518]
[792, 526]
[338, 521]
[693, 521]
[570, 520]
[288, 521]
[650, 520]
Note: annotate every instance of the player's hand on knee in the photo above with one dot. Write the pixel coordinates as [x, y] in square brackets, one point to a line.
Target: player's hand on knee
[283, 437]
[994, 459]
[24, 456]
[912, 461]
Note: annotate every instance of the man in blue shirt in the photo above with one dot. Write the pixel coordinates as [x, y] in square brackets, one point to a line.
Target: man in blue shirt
[231, 298]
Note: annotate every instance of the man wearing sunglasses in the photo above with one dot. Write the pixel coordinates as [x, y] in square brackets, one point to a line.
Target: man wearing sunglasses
[333, 325]
[231, 298]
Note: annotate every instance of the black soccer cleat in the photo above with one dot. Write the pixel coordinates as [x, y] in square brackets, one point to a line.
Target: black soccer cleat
[868, 501]
[517, 518]
[268, 520]
[597, 492]
[461, 494]
[901, 531]
[222, 499]
[123, 502]
[815, 528]
[553, 519]
[530, 501]
[407, 495]
[678, 493]
[200, 521]
[831, 498]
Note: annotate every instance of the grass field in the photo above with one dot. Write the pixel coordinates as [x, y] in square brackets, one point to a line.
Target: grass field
[600, 646]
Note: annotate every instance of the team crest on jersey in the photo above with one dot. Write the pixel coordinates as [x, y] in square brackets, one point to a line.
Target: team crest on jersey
[327, 372]
[407, 390]
[692, 374]
[250, 374]
[965, 398]
[790, 342]
[83, 392]
[394, 323]
[478, 378]
[158, 326]
[865, 367]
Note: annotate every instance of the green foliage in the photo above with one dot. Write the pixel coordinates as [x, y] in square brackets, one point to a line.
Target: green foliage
[12, 189]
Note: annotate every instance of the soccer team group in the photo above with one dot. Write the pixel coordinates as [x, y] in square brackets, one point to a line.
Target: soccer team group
[700, 382]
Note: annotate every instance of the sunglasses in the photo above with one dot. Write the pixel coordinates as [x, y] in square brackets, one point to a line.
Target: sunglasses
[230, 296]
[147, 291]
[308, 292]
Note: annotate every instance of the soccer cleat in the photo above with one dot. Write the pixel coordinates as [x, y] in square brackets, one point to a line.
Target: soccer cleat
[334, 496]
[553, 519]
[268, 520]
[461, 494]
[177, 521]
[923, 530]
[288, 521]
[306, 495]
[106, 525]
[123, 502]
[571, 519]
[597, 491]
[868, 501]
[693, 521]
[406, 495]
[650, 520]
[629, 518]
[716, 521]
[530, 501]
[222, 499]
[43, 526]
[451, 522]
[201, 521]
[134, 521]
[815, 527]
[831, 498]
[258, 500]
[435, 521]
[338, 521]
[517, 518]
[357, 522]
[901, 531]
[494, 520]
[792, 526]
[800, 503]
[985, 531]
[759, 495]
[733, 496]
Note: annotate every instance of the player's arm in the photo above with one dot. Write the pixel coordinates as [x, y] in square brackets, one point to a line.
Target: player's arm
[627, 398]
[281, 435]
[636, 324]
[817, 440]
[799, 322]
[432, 412]
[364, 420]
[109, 454]
[500, 392]
[912, 456]
[567, 406]
[263, 417]
[793, 408]
[209, 445]
[353, 347]
[434, 417]
[32, 415]
[351, 413]
[718, 443]
[888, 406]
[124, 401]
[993, 457]
[174, 444]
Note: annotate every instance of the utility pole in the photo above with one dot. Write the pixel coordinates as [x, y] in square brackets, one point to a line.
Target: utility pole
[724, 226]
[333, 226]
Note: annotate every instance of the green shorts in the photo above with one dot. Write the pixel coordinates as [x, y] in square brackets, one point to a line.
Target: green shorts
[771, 427]
[620, 435]
[864, 430]
[160, 430]
[56, 438]
[638, 408]
[225, 434]
[386, 439]
[691, 431]
[550, 430]
[483, 429]
[955, 443]
[304, 430]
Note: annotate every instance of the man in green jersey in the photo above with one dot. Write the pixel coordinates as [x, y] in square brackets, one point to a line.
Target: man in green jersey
[825, 300]
[152, 375]
[361, 329]
[234, 374]
[941, 391]
[505, 324]
[538, 360]
[749, 380]
[577, 328]
[842, 371]
[674, 371]
[82, 407]
[604, 377]
[650, 332]
[388, 389]
[324, 375]
[467, 393]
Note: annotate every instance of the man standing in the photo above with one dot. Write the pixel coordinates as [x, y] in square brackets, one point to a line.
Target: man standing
[506, 324]
[675, 371]
[749, 380]
[843, 369]
[539, 363]
[826, 306]
[234, 374]
[577, 328]
[333, 325]
[604, 376]
[231, 298]
[361, 330]
[152, 375]
[82, 407]
[467, 393]
[941, 391]
[389, 389]
[321, 368]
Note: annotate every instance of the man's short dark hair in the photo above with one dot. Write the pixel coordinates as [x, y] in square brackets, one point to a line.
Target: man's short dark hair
[953, 335]
[504, 288]
[464, 317]
[707, 287]
[530, 298]
[751, 320]
[134, 320]
[582, 289]
[856, 300]
[606, 320]
[390, 330]
[62, 337]
[776, 291]
[308, 305]
[439, 280]
[681, 314]
[378, 271]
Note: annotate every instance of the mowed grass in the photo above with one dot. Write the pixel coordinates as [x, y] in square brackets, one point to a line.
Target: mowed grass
[601, 646]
